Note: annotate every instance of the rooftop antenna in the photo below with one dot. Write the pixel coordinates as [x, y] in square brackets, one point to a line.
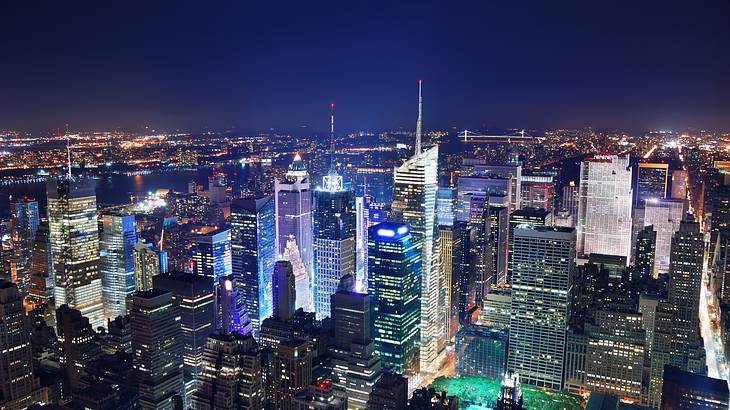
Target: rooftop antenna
[68, 152]
[332, 136]
[420, 116]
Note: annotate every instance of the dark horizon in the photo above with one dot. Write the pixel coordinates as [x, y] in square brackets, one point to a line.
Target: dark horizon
[256, 67]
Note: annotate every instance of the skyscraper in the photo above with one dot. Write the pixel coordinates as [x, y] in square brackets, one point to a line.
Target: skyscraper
[212, 254]
[616, 352]
[541, 292]
[292, 371]
[193, 296]
[231, 377]
[117, 263]
[157, 349]
[537, 192]
[645, 252]
[233, 315]
[18, 385]
[41, 292]
[414, 203]
[533, 216]
[293, 203]
[356, 366]
[76, 337]
[334, 239]
[284, 290]
[604, 206]
[148, 263]
[664, 215]
[389, 393]
[685, 390]
[394, 283]
[651, 182]
[677, 338]
[25, 222]
[253, 249]
[74, 238]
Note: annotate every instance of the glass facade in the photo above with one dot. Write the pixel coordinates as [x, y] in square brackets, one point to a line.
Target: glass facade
[117, 263]
[334, 244]
[74, 239]
[253, 250]
[394, 282]
[212, 254]
[414, 203]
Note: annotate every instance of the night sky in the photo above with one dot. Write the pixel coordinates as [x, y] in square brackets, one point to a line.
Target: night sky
[258, 65]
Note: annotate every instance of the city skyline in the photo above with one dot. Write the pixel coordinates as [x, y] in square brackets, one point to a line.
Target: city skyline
[411, 269]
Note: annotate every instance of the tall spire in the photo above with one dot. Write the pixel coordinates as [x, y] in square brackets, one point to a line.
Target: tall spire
[420, 118]
[332, 182]
[332, 136]
[68, 152]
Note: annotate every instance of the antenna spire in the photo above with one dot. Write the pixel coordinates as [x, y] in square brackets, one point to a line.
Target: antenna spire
[68, 152]
[420, 118]
[332, 136]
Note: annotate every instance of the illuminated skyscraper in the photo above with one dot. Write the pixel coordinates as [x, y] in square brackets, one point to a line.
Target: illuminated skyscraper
[292, 371]
[18, 385]
[148, 263]
[233, 315]
[532, 216]
[117, 263]
[665, 216]
[604, 207]
[231, 377]
[212, 254]
[355, 363]
[651, 182]
[677, 337]
[537, 192]
[394, 283]
[334, 239]
[541, 293]
[74, 238]
[616, 352]
[193, 295]
[414, 203]
[293, 203]
[157, 349]
[23, 234]
[510, 170]
[253, 249]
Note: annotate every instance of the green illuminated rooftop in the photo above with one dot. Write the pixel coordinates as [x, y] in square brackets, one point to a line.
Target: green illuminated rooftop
[477, 393]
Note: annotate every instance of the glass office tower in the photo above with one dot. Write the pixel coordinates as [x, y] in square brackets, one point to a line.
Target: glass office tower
[74, 238]
[394, 282]
[253, 250]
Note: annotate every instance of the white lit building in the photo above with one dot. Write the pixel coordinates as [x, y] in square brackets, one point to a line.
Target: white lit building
[604, 206]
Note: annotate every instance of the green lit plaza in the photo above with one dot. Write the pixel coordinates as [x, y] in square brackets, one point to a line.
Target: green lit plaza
[480, 393]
